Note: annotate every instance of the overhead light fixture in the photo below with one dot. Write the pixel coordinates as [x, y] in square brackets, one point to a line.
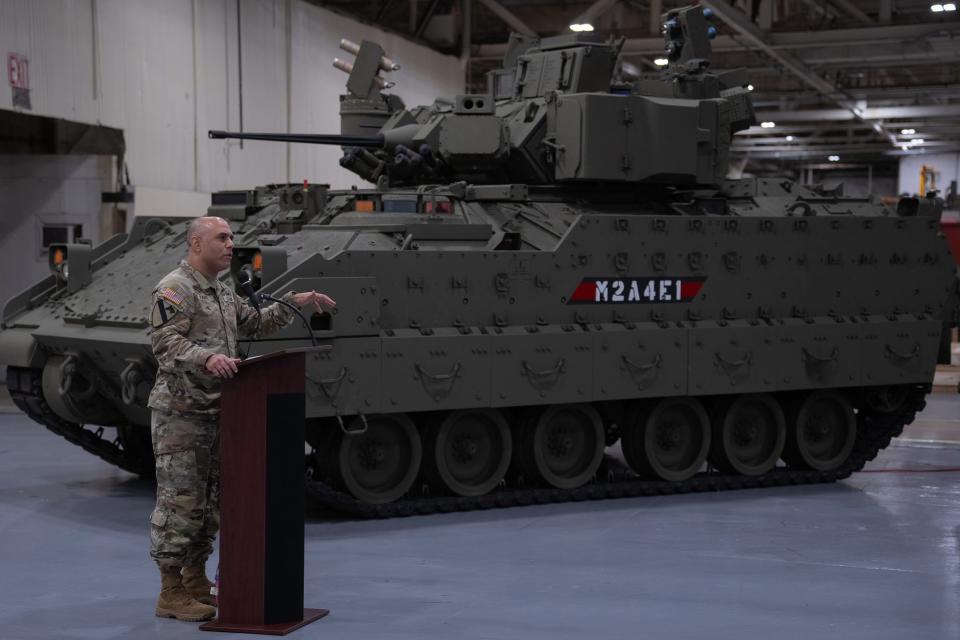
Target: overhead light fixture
[749, 87]
[661, 62]
[586, 20]
[907, 132]
[916, 141]
[936, 8]
[949, 6]
[834, 158]
[789, 138]
[768, 124]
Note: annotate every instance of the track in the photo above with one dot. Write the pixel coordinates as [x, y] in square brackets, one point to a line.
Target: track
[614, 480]
[25, 389]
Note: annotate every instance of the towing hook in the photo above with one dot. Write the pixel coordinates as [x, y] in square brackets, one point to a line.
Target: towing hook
[130, 379]
[67, 371]
[68, 383]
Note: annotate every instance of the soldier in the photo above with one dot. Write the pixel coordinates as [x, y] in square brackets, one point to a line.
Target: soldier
[196, 320]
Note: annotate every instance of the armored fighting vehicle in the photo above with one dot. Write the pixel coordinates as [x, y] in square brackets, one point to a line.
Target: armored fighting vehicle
[542, 271]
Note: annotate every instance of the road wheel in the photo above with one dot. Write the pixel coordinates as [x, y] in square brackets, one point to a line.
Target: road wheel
[749, 433]
[562, 446]
[381, 464]
[468, 451]
[820, 432]
[667, 440]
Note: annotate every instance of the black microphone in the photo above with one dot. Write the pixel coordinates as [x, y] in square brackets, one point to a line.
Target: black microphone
[255, 299]
[246, 283]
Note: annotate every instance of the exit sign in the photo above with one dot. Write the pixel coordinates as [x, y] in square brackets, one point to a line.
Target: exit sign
[18, 71]
[18, 75]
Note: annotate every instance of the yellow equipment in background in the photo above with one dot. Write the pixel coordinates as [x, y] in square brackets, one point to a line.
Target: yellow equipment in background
[928, 180]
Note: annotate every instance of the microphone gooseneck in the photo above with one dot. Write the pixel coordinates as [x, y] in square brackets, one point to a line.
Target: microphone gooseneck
[267, 296]
[246, 285]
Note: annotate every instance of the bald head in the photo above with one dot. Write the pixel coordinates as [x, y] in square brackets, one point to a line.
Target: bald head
[199, 227]
[210, 242]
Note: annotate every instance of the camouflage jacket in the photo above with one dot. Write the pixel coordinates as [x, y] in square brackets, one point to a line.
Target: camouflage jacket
[193, 318]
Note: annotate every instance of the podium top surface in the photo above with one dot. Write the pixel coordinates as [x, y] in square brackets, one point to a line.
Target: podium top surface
[279, 354]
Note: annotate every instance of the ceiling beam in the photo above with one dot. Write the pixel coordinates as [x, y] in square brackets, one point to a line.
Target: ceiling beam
[875, 57]
[864, 35]
[842, 140]
[750, 32]
[508, 17]
[425, 20]
[792, 151]
[828, 11]
[853, 64]
[881, 35]
[850, 65]
[800, 150]
[850, 54]
[870, 113]
[930, 129]
[382, 11]
[771, 97]
[853, 11]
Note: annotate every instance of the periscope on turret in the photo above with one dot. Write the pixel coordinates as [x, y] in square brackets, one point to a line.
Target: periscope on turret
[541, 273]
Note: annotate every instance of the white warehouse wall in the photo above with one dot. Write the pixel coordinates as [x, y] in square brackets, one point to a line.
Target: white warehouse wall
[40, 190]
[947, 165]
[166, 72]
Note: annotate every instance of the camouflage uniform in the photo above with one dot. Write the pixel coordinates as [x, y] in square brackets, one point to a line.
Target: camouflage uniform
[193, 318]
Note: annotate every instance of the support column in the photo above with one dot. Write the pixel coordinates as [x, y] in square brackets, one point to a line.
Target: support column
[466, 7]
[656, 8]
[886, 11]
[765, 15]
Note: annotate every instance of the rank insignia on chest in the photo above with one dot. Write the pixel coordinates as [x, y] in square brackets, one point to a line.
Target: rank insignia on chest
[162, 312]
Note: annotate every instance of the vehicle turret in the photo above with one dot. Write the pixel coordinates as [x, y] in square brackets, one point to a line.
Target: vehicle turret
[552, 114]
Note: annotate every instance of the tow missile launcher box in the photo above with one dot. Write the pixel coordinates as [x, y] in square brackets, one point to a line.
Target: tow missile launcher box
[551, 293]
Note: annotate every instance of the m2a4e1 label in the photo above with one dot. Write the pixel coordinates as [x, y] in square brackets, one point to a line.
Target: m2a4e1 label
[636, 290]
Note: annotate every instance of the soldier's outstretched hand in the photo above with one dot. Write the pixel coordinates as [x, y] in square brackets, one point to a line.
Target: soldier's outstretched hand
[321, 301]
[222, 366]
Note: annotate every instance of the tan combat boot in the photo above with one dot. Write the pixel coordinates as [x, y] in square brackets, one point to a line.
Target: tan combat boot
[175, 602]
[197, 585]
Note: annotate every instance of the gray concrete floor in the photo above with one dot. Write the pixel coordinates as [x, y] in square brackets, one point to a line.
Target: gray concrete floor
[874, 557]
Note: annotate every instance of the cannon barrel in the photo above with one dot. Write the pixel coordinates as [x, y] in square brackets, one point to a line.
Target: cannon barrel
[307, 138]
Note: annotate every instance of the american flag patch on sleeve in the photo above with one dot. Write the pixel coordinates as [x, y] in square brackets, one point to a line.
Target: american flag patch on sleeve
[173, 295]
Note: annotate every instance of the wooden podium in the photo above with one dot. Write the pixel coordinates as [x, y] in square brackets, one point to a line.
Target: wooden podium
[262, 415]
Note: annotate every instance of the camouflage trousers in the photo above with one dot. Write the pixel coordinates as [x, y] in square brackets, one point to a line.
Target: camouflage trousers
[186, 519]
